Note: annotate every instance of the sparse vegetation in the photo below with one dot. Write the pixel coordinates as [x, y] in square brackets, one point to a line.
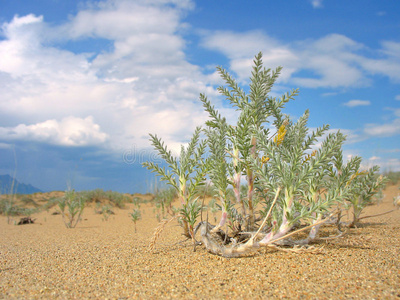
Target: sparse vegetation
[98, 195]
[104, 210]
[163, 201]
[393, 177]
[71, 208]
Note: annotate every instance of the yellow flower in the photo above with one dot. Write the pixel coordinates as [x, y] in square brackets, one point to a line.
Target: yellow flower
[280, 135]
[265, 159]
[355, 175]
[308, 157]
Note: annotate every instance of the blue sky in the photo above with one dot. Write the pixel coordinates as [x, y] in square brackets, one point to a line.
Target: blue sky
[82, 83]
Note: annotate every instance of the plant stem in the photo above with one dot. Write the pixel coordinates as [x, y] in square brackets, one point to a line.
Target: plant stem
[269, 212]
[250, 182]
[297, 231]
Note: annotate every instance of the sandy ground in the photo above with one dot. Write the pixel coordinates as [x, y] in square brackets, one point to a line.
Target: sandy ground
[108, 260]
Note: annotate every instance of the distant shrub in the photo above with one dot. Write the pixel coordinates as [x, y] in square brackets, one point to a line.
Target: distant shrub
[104, 210]
[99, 195]
[53, 201]
[117, 199]
[71, 208]
[393, 177]
[27, 200]
[94, 196]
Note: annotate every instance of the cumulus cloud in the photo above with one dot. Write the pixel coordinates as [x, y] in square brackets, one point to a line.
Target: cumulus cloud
[240, 48]
[330, 61]
[69, 131]
[389, 63]
[142, 81]
[355, 102]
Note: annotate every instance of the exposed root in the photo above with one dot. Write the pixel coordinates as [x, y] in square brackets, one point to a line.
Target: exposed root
[377, 215]
[215, 245]
[299, 249]
[333, 237]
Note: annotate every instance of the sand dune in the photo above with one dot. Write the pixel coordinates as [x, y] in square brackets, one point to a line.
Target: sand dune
[107, 259]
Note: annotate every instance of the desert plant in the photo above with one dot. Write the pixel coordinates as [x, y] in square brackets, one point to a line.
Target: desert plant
[27, 200]
[117, 199]
[163, 200]
[270, 162]
[293, 175]
[189, 213]
[8, 206]
[185, 174]
[135, 216]
[104, 210]
[71, 208]
[364, 185]
[53, 201]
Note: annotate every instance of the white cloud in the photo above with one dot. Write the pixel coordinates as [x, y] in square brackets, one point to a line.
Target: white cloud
[331, 61]
[388, 65]
[142, 84]
[383, 130]
[316, 3]
[69, 131]
[240, 48]
[397, 97]
[355, 102]
[385, 163]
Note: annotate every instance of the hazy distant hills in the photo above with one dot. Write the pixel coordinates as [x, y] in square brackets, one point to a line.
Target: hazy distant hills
[7, 187]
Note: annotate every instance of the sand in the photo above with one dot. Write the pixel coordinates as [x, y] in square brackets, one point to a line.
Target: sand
[107, 260]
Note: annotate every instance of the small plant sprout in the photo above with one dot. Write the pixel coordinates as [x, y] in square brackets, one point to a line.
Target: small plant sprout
[294, 177]
[105, 211]
[71, 208]
[189, 214]
[135, 216]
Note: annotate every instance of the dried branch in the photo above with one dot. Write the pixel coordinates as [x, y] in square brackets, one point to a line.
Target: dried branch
[157, 232]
